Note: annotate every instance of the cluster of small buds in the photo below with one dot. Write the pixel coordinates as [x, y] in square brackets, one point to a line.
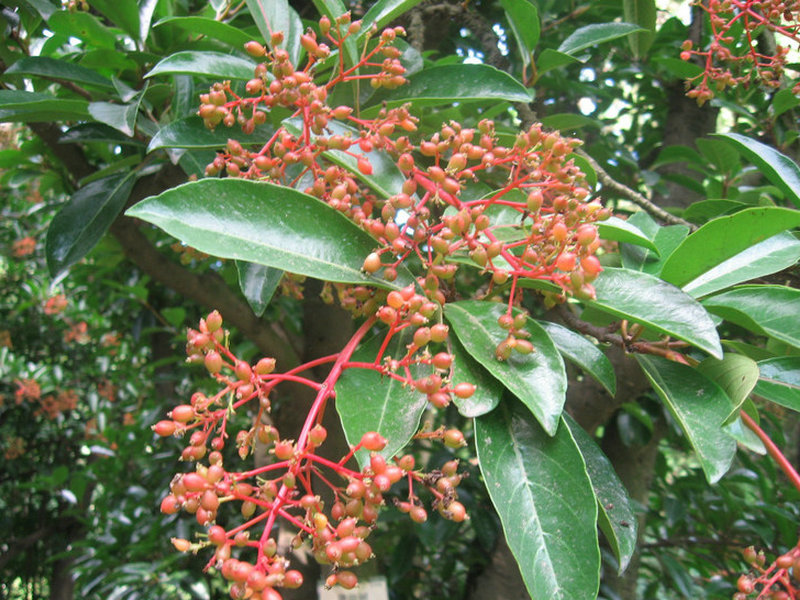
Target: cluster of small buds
[335, 536]
[731, 60]
[778, 581]
[538, 224]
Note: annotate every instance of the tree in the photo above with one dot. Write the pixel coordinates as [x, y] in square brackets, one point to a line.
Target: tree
[505, 275]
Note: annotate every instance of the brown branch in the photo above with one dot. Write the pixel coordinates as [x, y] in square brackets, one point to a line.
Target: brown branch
[632, 195]
[19, 545]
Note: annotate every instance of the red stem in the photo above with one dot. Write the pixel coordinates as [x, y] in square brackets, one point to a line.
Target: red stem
[773, 450]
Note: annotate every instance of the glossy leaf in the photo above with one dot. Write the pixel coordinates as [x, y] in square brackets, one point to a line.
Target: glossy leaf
[277, 15]
[658, 305]
[51, 68]
[386, 178]
[84, 26]
[96, 132]
[699, 406]
[770, 310]
[84, 219]
[382, 12]
[736, 374]
[583, 353]
[458, 83]
[666, 239]
[781, 170]
[723, 238]
[368, 401]
[538, 379]
[209, 64]
[770, 256]
[191, 133]
[123, 14]
[614, 510]
[780, 381]
[33, 107]
[121, 117]
[590, 36]
[267, 224]
[552, 59]
[617, 230]
[544, 497]
[488, 390]
[719, 154]
[211, 28]
[643, 14]
[258, 284]
[523, 18]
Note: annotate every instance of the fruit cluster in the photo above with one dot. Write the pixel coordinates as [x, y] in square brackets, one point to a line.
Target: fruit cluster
[733, 59]
[774, 582]
[538, 223]
[284, 488]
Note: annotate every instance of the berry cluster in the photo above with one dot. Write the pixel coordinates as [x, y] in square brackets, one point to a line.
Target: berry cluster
[778, 581]
[734, 56]
[284, 489]
[535, 221]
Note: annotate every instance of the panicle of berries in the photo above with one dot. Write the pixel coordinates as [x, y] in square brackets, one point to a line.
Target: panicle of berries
[734, 58]
[284, 488]
[778, 581]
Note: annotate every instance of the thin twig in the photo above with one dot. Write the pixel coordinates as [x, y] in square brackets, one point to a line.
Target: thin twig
[632, 195]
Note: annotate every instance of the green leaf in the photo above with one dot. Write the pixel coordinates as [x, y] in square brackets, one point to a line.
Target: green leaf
[32, 107]
[780, 381]
[96, 132]
[736, 374]
[770, 310]
[523, 19]
[770, 256]
[192, 133]
[84, 26]
[457, 83]
[538, 379]
[544, 498]
[666, 239]
[211, 28]
[386, 178]
[723, 238]
[210, 64]
[122, 14]
[487, 389]
[705, 210]
[51, 68]
[781, 170]
[267, 224]
[258, 284]
[276, 15]
[656, 304]
[382, 12]
[583, 353]
[622, 231]
[119, 116]
[552, 59]
[615, 512]
[699, 406]
[719, 154]
[368, 401]
[784, 100]
[590, 36]
[569, 121]
[83, 220]
[643, 14]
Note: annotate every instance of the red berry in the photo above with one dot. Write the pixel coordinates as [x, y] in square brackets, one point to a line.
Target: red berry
[464, 390]
[165, 428]
[183, 413]
[373, 441]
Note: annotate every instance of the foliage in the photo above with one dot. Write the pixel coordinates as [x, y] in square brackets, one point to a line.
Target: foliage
[459, 221]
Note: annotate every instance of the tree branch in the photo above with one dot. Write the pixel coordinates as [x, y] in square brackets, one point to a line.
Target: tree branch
[632, 195]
